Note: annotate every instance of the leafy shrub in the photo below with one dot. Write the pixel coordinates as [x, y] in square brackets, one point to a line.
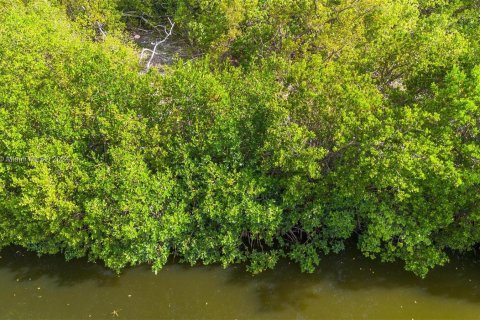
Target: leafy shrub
[303, 126]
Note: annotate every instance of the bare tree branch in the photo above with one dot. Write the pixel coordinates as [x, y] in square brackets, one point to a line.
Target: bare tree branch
[100, 28]
[153, 52]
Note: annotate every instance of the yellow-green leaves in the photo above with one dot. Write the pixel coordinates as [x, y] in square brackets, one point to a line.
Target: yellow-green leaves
[302, 124]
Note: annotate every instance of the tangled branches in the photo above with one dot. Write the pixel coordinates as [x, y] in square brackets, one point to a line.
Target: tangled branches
[164, 29]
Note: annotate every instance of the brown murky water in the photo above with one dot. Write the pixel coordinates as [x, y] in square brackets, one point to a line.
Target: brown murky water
[346, 287]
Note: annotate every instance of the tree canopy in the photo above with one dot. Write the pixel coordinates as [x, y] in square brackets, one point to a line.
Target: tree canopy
[300, 127]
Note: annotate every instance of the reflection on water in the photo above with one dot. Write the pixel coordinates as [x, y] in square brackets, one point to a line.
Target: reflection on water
[347, 286]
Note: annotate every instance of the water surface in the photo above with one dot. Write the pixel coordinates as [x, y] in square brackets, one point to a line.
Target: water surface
[347, 286]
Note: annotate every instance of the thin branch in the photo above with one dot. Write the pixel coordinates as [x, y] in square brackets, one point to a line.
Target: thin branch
[104, 34]
[153, 52]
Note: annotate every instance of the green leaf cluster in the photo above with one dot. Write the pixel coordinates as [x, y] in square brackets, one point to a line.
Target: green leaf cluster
[303, 127]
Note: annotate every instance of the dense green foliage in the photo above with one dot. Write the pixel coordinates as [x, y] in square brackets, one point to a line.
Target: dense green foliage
[304, 124]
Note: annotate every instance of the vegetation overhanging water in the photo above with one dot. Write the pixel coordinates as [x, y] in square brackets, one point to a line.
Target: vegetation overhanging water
[346, 286]
[286, 129]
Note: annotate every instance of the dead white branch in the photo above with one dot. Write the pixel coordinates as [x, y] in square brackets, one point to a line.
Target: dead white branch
[168, 32]
[100, 28]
